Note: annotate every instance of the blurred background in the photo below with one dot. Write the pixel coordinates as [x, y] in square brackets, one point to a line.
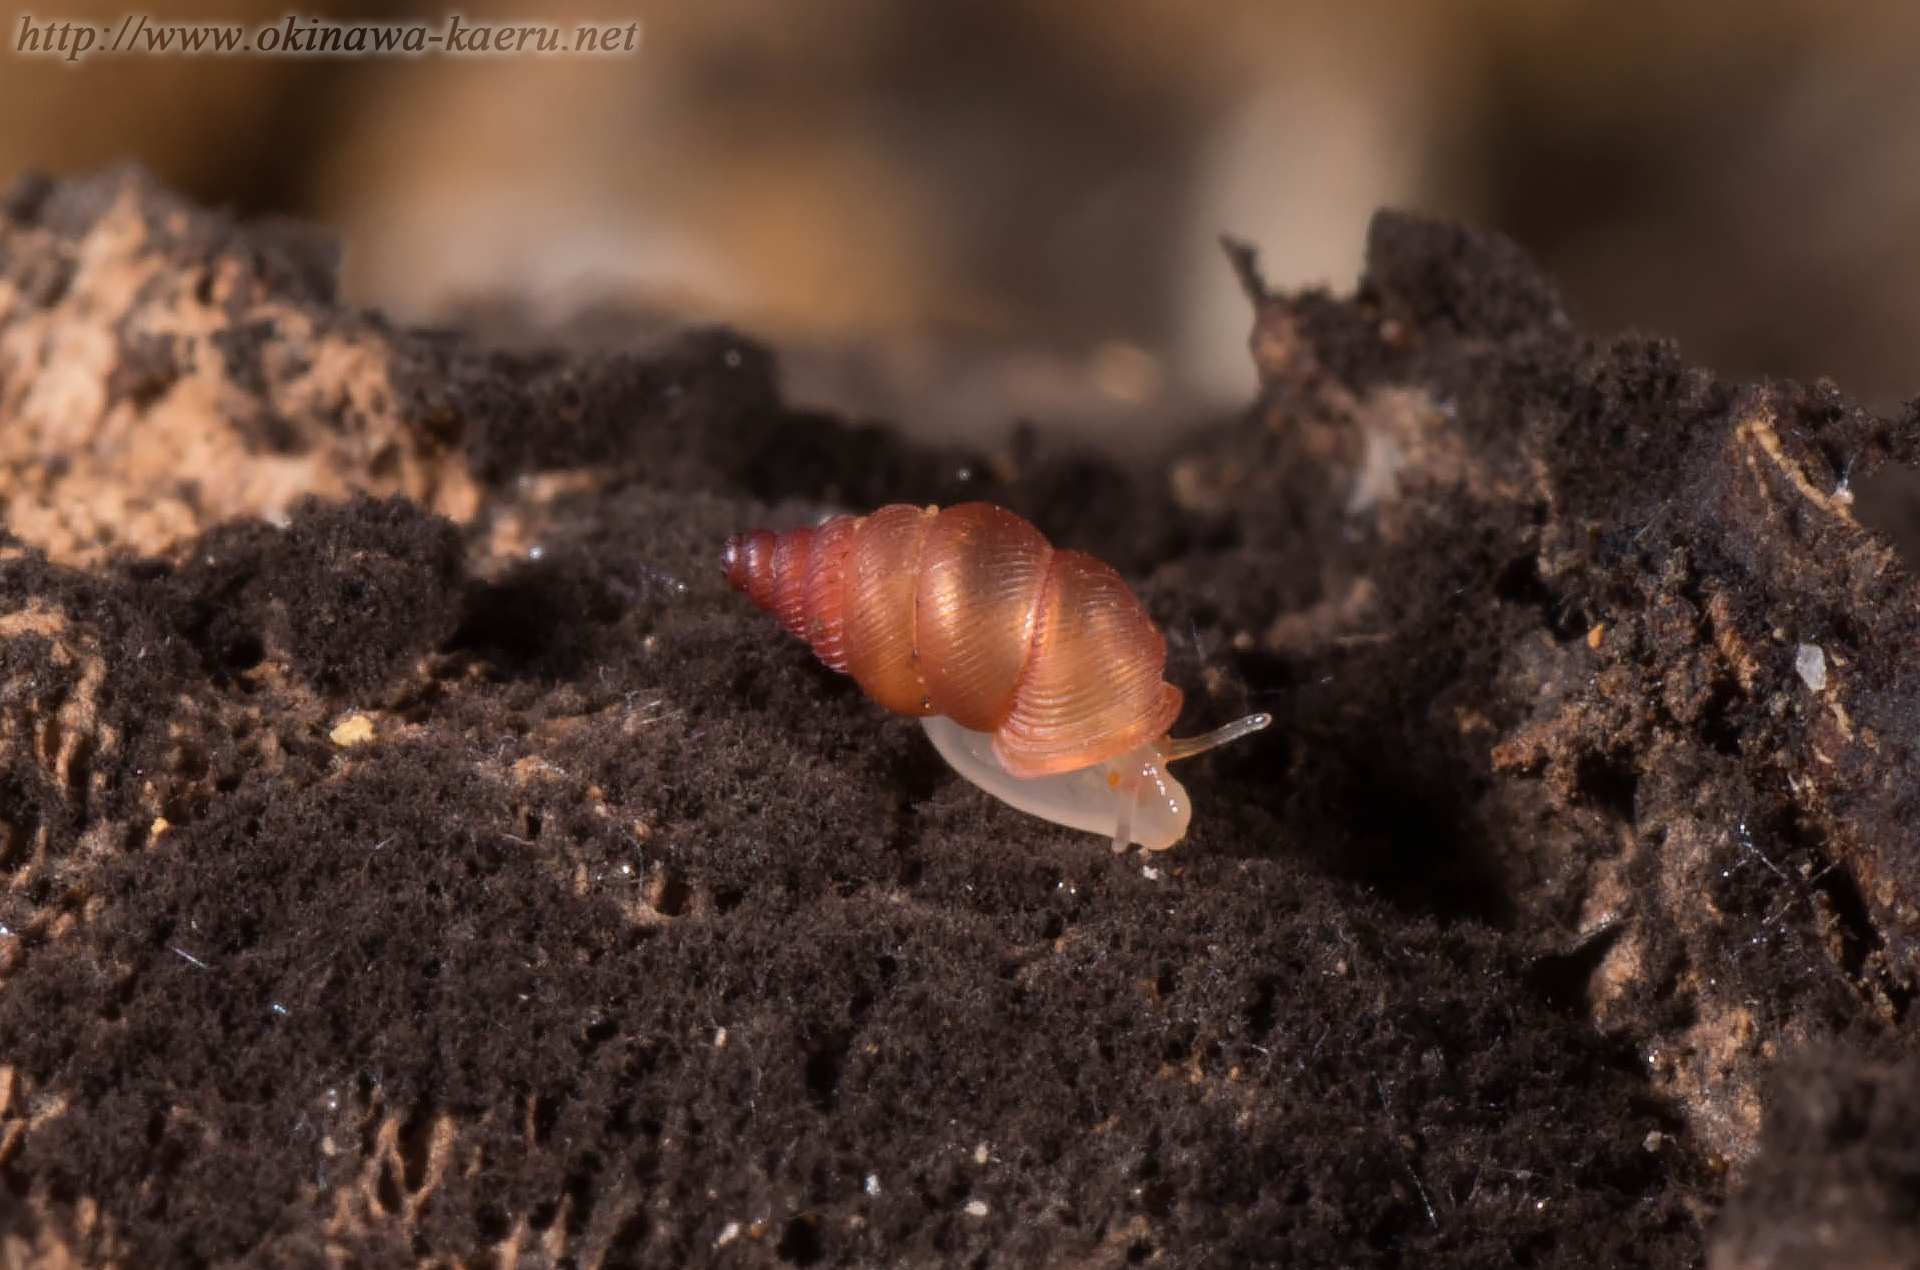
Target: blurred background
[961, 213]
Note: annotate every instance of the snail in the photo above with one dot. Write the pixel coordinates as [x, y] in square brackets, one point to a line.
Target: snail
[1036, 672]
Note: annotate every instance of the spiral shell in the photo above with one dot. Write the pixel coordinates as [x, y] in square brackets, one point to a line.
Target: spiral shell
[970, 613]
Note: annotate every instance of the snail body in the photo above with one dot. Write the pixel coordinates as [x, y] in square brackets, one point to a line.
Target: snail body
[1036, 671]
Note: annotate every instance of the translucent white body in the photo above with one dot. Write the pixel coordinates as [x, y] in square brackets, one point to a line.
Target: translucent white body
[1129, 798]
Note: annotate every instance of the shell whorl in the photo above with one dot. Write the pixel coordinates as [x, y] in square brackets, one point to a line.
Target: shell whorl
[968, 612]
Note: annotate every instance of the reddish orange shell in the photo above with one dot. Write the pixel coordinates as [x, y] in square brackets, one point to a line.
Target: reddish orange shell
[970, 613]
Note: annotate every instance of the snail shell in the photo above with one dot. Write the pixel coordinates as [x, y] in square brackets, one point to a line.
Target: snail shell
[1039, 674]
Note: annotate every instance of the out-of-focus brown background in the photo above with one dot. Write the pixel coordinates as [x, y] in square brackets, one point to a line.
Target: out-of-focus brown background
[961, 212]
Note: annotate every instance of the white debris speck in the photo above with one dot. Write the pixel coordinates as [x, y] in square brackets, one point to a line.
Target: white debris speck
[873, 1184]
[1150, 873]
[728, 1233]
[976, 1208]
[1379, 476]
[981, 1155]
[1812, 665]
[720, 1038]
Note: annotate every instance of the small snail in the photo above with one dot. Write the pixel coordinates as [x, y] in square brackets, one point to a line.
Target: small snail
[1036, 672]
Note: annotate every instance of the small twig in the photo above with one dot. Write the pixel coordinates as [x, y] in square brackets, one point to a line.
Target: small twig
[1246, 267]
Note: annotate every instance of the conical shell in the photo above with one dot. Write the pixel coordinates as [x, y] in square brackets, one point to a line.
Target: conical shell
[969, 613]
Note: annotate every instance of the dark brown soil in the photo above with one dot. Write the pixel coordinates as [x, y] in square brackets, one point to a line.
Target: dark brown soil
[414, 854]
